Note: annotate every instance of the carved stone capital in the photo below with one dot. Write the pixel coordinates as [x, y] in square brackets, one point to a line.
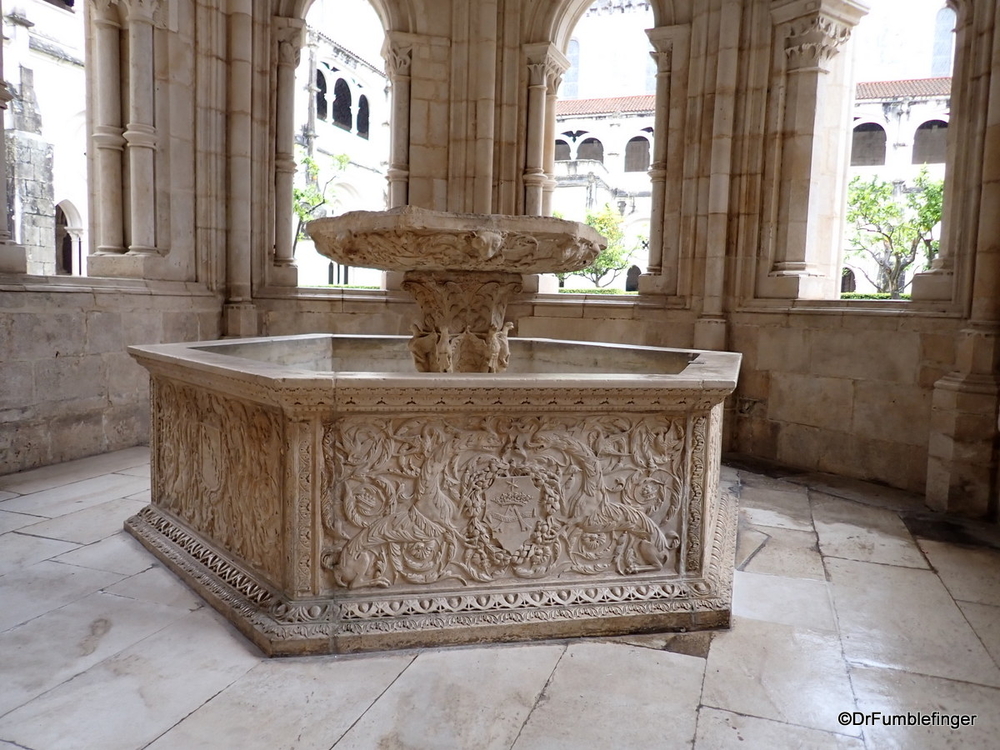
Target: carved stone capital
[462, 327]
[812, 42]
[290, 39]
[546, 65]
[398, 58]
[536, 74]
[813, 31]
[141, 10]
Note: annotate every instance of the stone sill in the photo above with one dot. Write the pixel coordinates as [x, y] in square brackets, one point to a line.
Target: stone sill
[101, 285]
[380, 296]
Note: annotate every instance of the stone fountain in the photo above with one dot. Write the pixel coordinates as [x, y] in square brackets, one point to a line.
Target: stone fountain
[462, 270]
[327, 497]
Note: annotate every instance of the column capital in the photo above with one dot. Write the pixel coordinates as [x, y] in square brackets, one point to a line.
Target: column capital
[398, 55]
[814, 31]
[546, 65]
[289, 33]
[139, 10]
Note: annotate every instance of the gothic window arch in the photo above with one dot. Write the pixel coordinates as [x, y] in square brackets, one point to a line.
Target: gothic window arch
[342, 115]
[868, 145]
[321, 103]
[68, 240]
[930, 142]
[364, 116]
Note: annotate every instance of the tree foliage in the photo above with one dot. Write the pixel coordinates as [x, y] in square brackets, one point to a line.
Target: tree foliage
[611, 261]
[309, 198]
[893, 230]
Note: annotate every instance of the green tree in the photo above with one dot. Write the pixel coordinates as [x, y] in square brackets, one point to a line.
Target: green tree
[308, 199]
[891, 230]
[611, 261]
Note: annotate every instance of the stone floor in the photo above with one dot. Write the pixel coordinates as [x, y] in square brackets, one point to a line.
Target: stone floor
[838, 608]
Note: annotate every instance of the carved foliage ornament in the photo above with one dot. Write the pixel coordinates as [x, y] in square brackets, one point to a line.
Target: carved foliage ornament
[462, 327]
[209, 473]
[813, 41]
[398, 58]
[477, 499]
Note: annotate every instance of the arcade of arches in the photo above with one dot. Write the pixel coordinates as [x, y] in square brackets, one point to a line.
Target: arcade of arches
[191, 231]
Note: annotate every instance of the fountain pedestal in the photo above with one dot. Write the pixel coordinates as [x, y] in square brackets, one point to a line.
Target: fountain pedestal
[462, 327]
[462, 270]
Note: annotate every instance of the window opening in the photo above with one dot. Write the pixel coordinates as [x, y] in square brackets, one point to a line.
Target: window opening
[637, 155]
[930, 143]
[342, 116]
[321, 105]
[868, 145]
[363, 116]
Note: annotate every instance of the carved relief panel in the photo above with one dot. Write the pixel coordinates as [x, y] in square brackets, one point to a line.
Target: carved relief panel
[211, 471]
[480, 499]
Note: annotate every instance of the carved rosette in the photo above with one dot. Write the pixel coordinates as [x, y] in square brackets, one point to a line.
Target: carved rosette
[462, 327]
[492, 499]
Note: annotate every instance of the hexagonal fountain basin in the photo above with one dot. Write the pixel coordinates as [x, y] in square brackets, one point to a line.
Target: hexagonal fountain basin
[326, 498]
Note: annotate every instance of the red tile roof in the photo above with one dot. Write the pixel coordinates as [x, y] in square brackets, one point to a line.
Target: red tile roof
[918, 87]
[644, 103]
[609, 105]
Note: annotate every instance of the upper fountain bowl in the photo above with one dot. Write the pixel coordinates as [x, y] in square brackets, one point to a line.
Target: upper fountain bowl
[410, 238]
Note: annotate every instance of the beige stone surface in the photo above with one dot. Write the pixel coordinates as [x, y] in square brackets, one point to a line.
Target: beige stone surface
[899, 627]
[642, 707]
[970, 574]
[857, 532]
[788, 552]
[158, 673]
[802, 603]
[893, 692]
[727, 730]
[779, 672]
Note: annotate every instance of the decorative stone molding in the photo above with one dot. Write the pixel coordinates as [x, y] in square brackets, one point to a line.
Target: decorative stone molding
[398, 59]
[811, 42]
[141, 10]
[463, 327]
[413, 238]
[344, 511]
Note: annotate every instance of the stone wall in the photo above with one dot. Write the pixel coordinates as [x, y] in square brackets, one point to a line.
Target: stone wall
[69, 389]
[29, 179]
[842, 390]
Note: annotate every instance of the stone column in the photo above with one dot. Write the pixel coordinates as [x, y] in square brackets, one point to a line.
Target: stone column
[13, 258]
[663, 55]
[557, 67]
[670, 51]
[107, 137]
[813, 124]
[963, 467]
[288, 40]
[140, 134]
[967, 103]
[240, 316]
[398, 54]
[534, 163]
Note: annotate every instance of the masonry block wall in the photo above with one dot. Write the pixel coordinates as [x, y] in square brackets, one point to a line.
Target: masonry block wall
[68, 388]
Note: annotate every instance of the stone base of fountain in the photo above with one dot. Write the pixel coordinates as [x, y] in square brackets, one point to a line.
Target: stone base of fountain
[325, 498]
